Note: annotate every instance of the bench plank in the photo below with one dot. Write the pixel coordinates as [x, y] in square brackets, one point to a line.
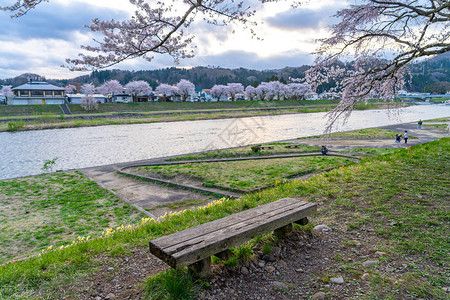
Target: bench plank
[197, 243]
[213, 226]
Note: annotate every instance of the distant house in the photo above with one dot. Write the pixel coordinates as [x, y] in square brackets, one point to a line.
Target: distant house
[76, 98]
[37, 93]
[203, 95]
[122, 98]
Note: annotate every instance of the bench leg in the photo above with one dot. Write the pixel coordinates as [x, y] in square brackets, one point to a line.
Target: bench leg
[224, 255]
[283, 231]
[302, 222]
[201, 268]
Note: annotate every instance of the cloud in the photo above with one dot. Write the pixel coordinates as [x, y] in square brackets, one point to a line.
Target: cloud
[53, 20]
[251, 60]
[304, 18]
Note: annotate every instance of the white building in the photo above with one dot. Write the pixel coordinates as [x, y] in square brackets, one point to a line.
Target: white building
[37, 93]
[76, 98]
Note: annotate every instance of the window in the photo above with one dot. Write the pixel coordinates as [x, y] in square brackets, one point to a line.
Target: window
[23, 93]
[37, 93]
[58, 93]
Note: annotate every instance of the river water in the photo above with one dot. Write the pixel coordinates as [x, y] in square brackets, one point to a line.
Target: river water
[24, 153]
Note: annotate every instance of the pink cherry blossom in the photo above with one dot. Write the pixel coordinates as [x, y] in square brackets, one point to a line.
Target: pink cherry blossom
[185, 88]
[139, 87]
[70, 88]
[166, 91]
[234, 89]
[218, 90]
[110, 88]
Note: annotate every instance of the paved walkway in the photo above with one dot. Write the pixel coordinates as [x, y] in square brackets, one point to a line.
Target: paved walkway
[147, 195]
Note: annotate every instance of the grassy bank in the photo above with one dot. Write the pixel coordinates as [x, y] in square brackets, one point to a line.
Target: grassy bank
[19, 119]
[396, 203]
[16, 110]
[361, 134]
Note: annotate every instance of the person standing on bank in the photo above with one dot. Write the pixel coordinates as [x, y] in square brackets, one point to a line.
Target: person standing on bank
[405, 136]
[420, 124]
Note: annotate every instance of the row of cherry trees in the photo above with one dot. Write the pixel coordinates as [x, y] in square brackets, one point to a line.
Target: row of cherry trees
[113, 87]
[273, 90]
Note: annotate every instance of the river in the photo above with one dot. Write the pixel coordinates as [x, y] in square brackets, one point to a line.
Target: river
[24, 153]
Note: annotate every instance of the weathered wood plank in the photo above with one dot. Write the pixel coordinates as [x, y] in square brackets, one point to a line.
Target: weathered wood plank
[226, 238]
[213, 226]
[213, 237]
[174, 243]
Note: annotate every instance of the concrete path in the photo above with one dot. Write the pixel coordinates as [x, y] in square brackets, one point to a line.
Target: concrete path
[146, 195]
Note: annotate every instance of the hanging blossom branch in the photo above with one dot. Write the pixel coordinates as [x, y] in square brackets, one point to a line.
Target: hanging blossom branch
[159, 28]
[155, 27]
[21, 7]
[367, 32]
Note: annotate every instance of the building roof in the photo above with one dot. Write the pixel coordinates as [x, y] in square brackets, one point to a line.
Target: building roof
[36, 85]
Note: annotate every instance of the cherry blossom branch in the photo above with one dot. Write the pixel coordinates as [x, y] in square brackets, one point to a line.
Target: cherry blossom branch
[413, 29]
[21, 7]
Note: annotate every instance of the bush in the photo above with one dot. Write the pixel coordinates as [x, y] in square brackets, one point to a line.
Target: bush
[256, 148]
[15, 126]
[172, 284]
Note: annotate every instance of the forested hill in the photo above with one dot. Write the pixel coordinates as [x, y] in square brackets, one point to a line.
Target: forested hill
[203, 77]
[432, 75]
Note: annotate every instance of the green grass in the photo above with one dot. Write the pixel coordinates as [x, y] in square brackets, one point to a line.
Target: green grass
[442, 127]
[54, 209]
[247, 174]
[14, 110]
[179, 204]
[368, 133]
[278, 149]
[444, 119]
[371, 152]
[396, 203]
[172, 285]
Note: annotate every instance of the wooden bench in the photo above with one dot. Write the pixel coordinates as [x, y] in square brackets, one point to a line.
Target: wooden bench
[293, 146]
[266, 147]
[194, 247]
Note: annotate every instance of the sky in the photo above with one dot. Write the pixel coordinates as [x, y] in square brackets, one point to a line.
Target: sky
[40, 41]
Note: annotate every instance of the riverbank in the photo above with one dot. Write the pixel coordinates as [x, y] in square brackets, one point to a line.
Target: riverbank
[33, 118]
[379, 212]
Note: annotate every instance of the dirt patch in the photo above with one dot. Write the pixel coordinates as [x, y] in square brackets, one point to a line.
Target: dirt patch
[117, 277]
[301, 266]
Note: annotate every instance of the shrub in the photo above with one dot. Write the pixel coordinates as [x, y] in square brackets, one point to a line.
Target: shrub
[15, 126]
[172, 284]
[256, 148]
